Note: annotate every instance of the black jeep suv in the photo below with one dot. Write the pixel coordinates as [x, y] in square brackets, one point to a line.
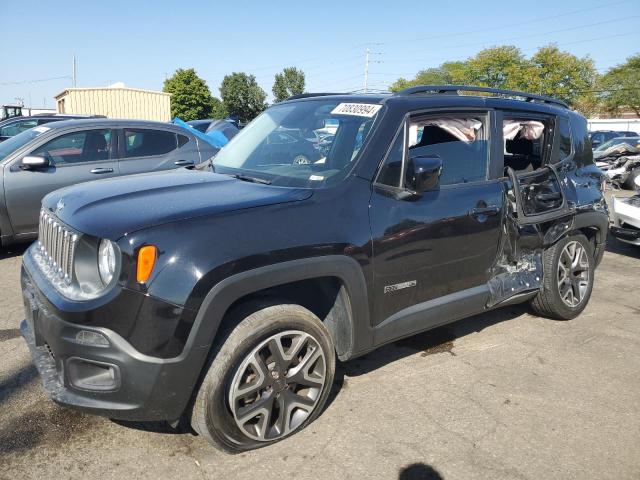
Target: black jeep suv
[225, 294]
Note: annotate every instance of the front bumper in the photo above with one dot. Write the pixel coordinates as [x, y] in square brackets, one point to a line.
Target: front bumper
[144, 387]
[626, 219]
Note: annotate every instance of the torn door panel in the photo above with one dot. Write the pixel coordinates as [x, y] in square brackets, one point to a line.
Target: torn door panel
[537, 215]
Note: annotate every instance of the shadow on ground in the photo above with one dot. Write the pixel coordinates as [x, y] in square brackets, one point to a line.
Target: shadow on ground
[419, 471]
[13, 250]
[621, 248]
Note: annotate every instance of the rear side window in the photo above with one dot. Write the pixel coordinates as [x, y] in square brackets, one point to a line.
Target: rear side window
[148, 143]
[182, 140]
[564, 140]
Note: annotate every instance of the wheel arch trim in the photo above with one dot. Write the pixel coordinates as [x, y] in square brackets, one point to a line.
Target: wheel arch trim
[225, 293]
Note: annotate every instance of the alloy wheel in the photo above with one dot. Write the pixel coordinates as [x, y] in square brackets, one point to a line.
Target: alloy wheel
[278, 385]
[573, 274]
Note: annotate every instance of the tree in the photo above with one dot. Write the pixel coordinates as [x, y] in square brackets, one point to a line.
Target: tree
[449, 73]
[289, 82]
[622, 85]
[498, 67]
[563, 76]
[191, 98]
[549, 71]
[242, 96]
[218, 109]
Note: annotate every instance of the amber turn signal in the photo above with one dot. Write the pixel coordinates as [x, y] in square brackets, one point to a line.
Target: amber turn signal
[146, 261]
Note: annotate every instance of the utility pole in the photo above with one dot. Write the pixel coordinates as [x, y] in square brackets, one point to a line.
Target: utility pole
[75, 72]
[367, 60]
[366, 71]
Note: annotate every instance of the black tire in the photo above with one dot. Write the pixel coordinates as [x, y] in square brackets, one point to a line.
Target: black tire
[212, 416]
[549, 303]
[629, 183]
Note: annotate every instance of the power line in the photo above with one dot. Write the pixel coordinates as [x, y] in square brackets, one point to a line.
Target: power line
[537, 34]
[24, 82]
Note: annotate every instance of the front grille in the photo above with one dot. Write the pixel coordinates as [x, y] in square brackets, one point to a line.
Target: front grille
[57, 244]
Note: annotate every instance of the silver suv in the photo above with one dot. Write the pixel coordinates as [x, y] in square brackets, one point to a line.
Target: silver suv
[49, 157]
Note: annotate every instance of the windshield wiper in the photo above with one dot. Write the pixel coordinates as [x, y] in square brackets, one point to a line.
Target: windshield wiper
[247, 178]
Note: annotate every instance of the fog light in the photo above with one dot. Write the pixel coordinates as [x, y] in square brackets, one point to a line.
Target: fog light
[89, 375]
[87, 337]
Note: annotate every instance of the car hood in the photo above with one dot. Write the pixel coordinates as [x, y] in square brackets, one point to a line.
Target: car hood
[111, 208]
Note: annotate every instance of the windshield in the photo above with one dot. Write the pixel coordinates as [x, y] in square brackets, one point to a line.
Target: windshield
[633, 141]
[14, 143]
[303, 144]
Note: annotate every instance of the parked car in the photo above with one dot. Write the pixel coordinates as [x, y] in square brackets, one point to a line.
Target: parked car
[599, 137]
[225, 294]
[15, 125]
[201, 125]
[633, 141]
[51, 156]
[626, 217]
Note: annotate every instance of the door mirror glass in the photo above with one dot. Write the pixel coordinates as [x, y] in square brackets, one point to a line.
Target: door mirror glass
[423, 172]
[34, 162]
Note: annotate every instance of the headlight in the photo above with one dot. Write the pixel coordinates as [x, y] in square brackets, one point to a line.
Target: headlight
[106, 261]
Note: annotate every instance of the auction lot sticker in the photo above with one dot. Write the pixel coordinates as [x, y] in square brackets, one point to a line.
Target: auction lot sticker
[356, 109]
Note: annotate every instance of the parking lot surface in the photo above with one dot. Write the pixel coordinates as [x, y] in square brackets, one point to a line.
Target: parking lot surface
[504, 395]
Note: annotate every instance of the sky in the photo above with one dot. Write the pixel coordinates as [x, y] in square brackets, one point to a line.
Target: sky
[140, 43]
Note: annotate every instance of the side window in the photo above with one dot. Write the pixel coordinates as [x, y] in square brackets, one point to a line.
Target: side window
[563, 135]
[182, 140]
[78, 147]
[16, 128]
[147, 143]
[525, 142]
[460, 141]
[392, 167]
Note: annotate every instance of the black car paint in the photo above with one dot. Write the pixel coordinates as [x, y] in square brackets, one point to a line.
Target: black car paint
[234, 238]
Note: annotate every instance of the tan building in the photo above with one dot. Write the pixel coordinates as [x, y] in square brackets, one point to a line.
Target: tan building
[116, 101]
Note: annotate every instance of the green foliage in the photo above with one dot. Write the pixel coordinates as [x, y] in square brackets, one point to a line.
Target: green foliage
[449, 73]
[562, 75]
[549, 71]
[623, 86]
[498, 67]
[242, 96]
[289, 82]
[218, 109]
[191, 98]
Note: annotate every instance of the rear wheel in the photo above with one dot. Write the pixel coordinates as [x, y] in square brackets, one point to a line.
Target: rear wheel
[568, 274]
[269, 379]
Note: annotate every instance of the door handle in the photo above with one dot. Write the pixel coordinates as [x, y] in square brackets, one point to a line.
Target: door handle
[184, 163]
[490, 210]
[101, 170]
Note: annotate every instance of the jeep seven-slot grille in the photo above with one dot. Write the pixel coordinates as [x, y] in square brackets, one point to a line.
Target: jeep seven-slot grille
[57, 245]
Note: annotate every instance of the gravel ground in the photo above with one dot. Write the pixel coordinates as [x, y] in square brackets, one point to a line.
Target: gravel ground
[504, 395]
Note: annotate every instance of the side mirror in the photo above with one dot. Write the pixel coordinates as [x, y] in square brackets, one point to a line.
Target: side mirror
[594, 144]
[423, 172]
[34, 162]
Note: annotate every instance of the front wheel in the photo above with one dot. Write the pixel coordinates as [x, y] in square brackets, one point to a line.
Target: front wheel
[270, 378]
[568, 273]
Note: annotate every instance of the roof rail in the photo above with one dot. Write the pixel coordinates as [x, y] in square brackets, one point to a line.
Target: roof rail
[307, 95]
[455, 89]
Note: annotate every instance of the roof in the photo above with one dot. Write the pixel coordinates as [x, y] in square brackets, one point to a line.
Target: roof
[110, 123]
[67, 90]
[448, 95]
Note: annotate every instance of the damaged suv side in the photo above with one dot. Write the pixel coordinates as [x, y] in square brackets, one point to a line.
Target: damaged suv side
[224, 294]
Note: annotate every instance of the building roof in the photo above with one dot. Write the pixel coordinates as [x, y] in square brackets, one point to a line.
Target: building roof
[77, 89]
